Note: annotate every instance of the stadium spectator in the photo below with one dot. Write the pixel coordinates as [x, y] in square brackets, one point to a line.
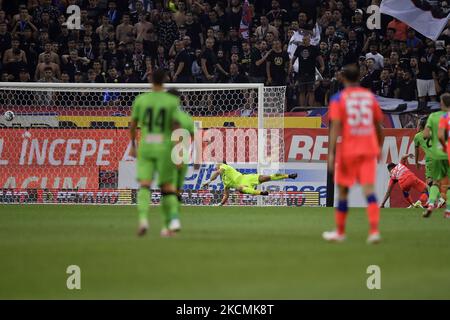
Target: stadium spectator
[88, 49]
[24, 75]
[245, 58]
[72, 63]
[14, 58]
[308, 56]
[406, 87]
[47, 7]
[209, 62]
[258, 62]
[400, 29]
[112, 57]
[125, 31]
[143, 28]
[196, 68]
[277, 65]
[235, 14]
[47, 62]
[167, 30]
[265, 28]
[103, 30]
[425, 80]
[235, 76]
[138, 57]
[137, 8]
[371, 75]
[5, 37]
[65, 78]
[54, 57]
[48, 76]
[385, 86]
[129, 75]
[277, 12]
[113, 13]
[413, 43]
[194, 31]
[147, 75]
[183, 72]
[225, 63]
[93, 10]
[373, 54]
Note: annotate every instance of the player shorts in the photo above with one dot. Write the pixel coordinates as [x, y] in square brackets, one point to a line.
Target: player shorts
[249, 180]
[148, 166]
[428, 168]
[306, 82]
[179, 176]
[412, 182]
[356, 169]
[426, 88]
[439, 169]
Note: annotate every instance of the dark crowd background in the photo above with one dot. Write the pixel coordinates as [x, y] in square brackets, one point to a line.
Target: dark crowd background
[200, 41]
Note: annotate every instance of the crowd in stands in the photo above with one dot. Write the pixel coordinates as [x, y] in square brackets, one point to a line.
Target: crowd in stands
[298, 43]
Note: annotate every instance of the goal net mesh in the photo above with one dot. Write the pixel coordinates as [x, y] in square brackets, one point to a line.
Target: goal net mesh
[70, 143]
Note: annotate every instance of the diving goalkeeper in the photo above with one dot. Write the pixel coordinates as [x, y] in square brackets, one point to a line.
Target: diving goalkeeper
[244, 183]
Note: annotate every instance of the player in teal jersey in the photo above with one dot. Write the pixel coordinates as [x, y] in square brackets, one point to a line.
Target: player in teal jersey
[185, 122]
[156, 114]
[425, 144]
[244, 183]
[439, 161]
[443, 135]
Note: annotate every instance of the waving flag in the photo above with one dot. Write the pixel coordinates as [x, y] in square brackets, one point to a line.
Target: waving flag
[245, 20]
[420, 16]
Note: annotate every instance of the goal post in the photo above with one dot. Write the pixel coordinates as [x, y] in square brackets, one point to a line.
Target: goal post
[69, 142]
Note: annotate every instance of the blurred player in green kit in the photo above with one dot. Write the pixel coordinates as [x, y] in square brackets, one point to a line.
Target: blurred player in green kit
[425, 145]
[439, 162]
[182, 155]
[156, 113]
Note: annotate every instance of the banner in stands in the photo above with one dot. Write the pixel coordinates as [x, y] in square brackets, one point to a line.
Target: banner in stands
[427, 19]
[399, 105]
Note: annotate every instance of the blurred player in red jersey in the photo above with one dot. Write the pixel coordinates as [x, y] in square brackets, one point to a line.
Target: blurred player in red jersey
[407, 181]
[356, 116]
[444, 139]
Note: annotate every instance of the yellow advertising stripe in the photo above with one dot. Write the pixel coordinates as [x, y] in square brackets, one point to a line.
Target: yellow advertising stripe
[86, 121]
[207, 122]
[252, 122]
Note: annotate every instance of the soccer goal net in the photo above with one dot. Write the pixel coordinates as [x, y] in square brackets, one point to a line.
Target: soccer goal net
[69, 143]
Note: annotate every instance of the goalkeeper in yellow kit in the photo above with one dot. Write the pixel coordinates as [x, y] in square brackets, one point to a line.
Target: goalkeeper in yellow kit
[244, 183]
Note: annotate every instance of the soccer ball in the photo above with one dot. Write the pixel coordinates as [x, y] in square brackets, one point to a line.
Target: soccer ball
[9, 115]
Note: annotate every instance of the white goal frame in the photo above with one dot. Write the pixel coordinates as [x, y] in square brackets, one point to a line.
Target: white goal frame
[185, 87]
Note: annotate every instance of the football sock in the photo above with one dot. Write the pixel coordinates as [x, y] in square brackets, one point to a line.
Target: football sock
[434, 194]
[179, 198]
[410, 200]
[373, 213]
[143, 202]
[448, 202]
[169, 208]
[278, 176]
[248, 190]
[341, 216]
[424, 198]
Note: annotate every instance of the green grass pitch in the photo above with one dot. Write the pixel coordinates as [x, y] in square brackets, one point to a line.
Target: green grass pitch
[222, 253]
